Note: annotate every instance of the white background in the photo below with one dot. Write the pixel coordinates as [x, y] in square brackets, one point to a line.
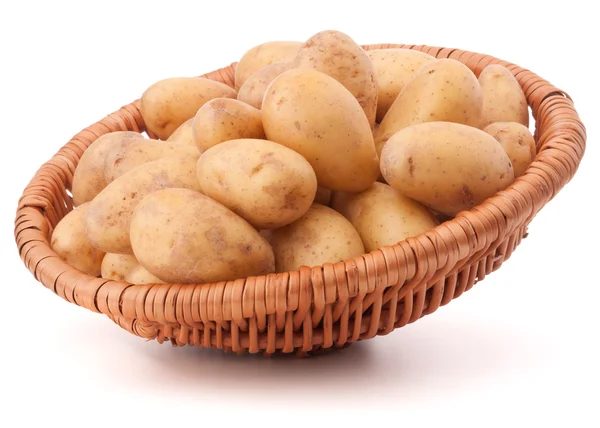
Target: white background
[520, 349]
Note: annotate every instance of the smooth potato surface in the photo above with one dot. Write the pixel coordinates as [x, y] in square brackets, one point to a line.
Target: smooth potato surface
[517, 142]
[117, 266]
[503, 98]
[253, 90]
[184, 134]
[262, 55]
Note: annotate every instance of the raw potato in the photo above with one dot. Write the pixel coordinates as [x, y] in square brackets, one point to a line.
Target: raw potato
[383, 216]
[139, 275]
[320, 236]
[337, 55]
[117, 266]
[185, 237]
[70, 243]
[88, 179]
[109, 215]
[517, 142]
[503, 98]
[132, 153]
[270, 185]
[170, 102]
[314, 115]
[262, 55]
[184, 134]
[448, 167]
[323, 196]
[224, 119]
[442, 90]
[253, 90]
[393, 69]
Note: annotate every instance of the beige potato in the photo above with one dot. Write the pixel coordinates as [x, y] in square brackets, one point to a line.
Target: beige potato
[88, 179]
[517, 142]
[132, 153]
[446, 166]
[139, 275]
[253, 90]
[117, 266]
[262, 55]
[442, 90]
[337, 55]
[109, 215]
[170, 102]
[503, 97]
[323, 196]
[320, 236]
[270, 185]
[393, 70]
[314, 115]
[70, 243]
[184, 134]
[224, 119]
[182, 236]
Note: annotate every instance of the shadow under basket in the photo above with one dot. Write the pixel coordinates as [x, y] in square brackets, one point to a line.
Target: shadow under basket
[323, 307]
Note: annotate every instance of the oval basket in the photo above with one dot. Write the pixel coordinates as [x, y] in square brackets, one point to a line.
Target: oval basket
[329, 306]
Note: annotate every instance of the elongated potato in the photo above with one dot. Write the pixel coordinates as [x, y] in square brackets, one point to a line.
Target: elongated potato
[184, 134]
[517, 142]
[314, 115]
[446, 166]
[262, 55]
[170, 102]
[109, 214]
[503, 98]
[337, 55]
[88, 179]
[117, 266]
[253, 90]
[184, 237]
[139, 275]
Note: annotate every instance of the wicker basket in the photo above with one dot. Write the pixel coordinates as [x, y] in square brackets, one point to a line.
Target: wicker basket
[328, 306]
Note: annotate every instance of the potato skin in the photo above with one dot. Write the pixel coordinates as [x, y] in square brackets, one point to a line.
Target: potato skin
[224, 119]
[88, 179]
[117, 266]
[253, 90]
[337, 55]
[71, 244]
[270, 185]
[139, 275]
[314, 115]
[183, 236]
[517, 142]
[184, 134]
[168, 103]
[393, 69]
[447, 167]
[109, 214]
[323, 196]
[442, 90]
[320, 236]
[503, 97]
[262, 55]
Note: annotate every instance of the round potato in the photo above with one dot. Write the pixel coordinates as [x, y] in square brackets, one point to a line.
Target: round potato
[185, 237]
[170, 102]
[337, 55]
[393, 69]
[184, 134]
[117, 266]
[88, 179]
[262, 55]
[253, 90]
[517, 142]
[70, 243]
[270, 186]
[320, 236]
[224, 119]
[314, 115]
[109, 214]
[446, 166]
[323, 196]
[139, 275]
[503, 97]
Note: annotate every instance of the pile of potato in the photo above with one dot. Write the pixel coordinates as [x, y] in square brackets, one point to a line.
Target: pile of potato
[321, 152]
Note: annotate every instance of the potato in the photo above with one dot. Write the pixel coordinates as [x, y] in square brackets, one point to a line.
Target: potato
[337, 55]
[314, 115]
[442, 90]
[393, 70]
[320, 236]
[503, 98]
[382, 216]
[139, 275]
[88, 179]
[262, 55]
[170, 102]
[517, 142]
[70, 243]
[447, 167]
[182, 236]
[224, 119]
[184, 134]
[132, 153]
[253, 90]
[323, 196]
[109, 215]
[117, 266]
